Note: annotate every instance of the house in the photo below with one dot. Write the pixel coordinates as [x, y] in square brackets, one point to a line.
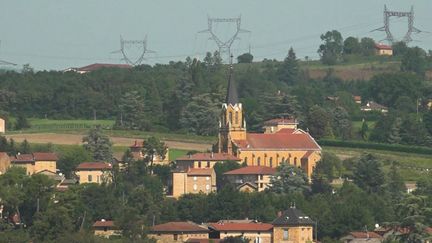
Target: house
[383, 50]
[138, 154]
[373, 106]
[281, 142]
[193, 180]
[293, 226]
[66, 183]
[250, 178]
[2, 125]
[97, 66]
[36, 162]
[410, 186]
[58, 178]
[362, 236]
[254, 231]
[178, 232]
[94, 172]
[105, 228]
[357, 99]
[5, 162]
[203, 160]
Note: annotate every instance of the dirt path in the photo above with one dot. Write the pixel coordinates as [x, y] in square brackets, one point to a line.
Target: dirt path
[76, 139]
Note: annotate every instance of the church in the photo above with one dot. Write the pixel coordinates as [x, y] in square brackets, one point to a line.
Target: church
[282, 140]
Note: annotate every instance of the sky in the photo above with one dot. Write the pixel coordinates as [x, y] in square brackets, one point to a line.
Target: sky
[58, 34]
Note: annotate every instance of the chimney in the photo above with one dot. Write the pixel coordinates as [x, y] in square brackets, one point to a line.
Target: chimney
[212, 155]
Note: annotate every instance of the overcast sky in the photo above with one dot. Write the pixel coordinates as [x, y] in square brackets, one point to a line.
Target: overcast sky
[56, 34]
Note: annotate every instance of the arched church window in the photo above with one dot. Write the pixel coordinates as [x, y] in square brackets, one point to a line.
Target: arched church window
[271, 161]
[236, 117]
[259, 161]
[283, 159]
[295, 161]
[245, 160]
[230, 117]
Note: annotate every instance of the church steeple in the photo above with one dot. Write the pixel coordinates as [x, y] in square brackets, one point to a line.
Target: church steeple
[232, 96]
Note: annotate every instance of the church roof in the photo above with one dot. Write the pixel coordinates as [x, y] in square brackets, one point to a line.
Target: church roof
[232, 96]
[278, 141]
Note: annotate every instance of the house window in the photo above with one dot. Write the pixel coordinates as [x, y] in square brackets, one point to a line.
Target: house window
[285, 234]
[245, 160]
[105, 229]
[208, 164]
[295, 161]
[199, 164]
[271, 161]
[261, 177]
[175, 237]
[195, 187]
[261, 185]
[259, 161]
[90, 178]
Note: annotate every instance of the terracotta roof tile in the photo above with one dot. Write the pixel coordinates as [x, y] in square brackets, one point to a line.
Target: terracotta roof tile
[96, 66]
[383, 47]
[241, 226]
[104, 223]
[252, 170]
[293, 216]
[364, 235]
[208, 157]
[278, 141]
[24, 157]
[45, 156]
[200, 171]
[94, 166]
[178, 227]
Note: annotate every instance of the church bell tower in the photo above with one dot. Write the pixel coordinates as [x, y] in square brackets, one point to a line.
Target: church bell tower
[232, 125]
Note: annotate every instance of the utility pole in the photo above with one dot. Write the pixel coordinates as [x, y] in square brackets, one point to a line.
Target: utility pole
[411, 29]
[140, 45]
[224, 46]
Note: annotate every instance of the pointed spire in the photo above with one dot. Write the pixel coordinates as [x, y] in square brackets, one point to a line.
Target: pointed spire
[232, 97]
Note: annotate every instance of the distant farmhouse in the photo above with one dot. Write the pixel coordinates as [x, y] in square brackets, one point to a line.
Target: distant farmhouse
[383, 50]
[97, 66]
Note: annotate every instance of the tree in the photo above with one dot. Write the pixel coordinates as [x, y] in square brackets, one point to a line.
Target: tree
[331, 50]
[154, 147]
[71, 158]
[201, 115]
[222, 167]
[98, 144]
[25, 147]
[21, 122]
[368, 174]
[133, 114]
[319, 122]
[289, 70]
[395, 136]
[342, 125]
[399, 48]
[367, 46]
[364, 130]
[289, 179]
[395, 184]
[414, 60]
[51, 224]
[235, 239]
[245, 58]
[351, 46]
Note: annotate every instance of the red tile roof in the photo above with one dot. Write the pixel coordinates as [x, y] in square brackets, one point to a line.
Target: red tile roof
[209, 157]
[137, 144]
[45, 156]
[252, 170]
[241, 226]
[200, 171]
[280, 121]
[178, 227]
[104, 223]
[278, 141]
[96, 66]
[383, 47]
[364, 235]
[94, 166]
[286, 130]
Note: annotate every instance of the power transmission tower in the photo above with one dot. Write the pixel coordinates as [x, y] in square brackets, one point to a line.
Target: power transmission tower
[224, 46]
[129, 44]
[411, 29]
[2, 62]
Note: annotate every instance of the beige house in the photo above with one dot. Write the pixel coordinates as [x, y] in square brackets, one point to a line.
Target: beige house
[5, 162]
[255, 232]
[194, 180]
[383, 50]
[203, 160]
[2, 125]
[105, 228]
[137, 153]
[94, 172]
[178, 232]
[251, 178]
[36, 162]
[293, 226]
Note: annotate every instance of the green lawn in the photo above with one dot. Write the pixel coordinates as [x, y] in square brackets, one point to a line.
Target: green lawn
[175, 153]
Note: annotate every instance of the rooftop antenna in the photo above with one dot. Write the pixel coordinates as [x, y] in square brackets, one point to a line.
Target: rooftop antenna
[139, 44]
[2, 62]
[224, 46]
[411, 29]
